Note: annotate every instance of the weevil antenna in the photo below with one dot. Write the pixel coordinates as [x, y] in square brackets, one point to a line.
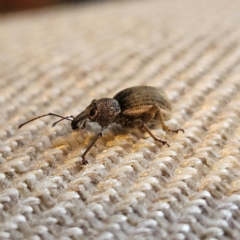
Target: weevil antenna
[49, 114]
[70, 118]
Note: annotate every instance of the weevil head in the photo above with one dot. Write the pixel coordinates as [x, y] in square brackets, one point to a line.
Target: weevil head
[103, 111]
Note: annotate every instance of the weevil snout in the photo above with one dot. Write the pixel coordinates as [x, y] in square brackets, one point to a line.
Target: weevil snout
[79, 120]
[74, 125]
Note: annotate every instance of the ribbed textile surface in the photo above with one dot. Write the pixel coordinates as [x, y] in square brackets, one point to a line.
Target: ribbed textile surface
[60, 59]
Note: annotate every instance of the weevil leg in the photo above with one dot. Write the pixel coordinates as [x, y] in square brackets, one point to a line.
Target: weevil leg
[144, 126]
[156, 110]
[164, 126]
[141, 125]
[84, 162]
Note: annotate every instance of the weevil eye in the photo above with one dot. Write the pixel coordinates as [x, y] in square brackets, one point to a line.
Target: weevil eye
[93, 113]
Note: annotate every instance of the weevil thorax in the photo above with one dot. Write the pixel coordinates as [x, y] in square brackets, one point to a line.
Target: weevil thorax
[107, 111]
[103, 111]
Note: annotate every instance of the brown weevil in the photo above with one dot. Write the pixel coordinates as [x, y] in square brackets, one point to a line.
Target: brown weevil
[132, 107]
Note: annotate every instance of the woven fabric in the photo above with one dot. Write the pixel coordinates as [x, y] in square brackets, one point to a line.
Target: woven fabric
[59, 59]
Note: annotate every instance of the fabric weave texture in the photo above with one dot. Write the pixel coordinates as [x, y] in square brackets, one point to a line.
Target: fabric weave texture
[59, 59]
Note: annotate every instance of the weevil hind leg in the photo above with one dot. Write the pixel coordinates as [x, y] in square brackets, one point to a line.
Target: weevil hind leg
[155, 110]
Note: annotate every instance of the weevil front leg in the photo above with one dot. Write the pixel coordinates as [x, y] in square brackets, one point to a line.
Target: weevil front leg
[156, 110]
[84, 162]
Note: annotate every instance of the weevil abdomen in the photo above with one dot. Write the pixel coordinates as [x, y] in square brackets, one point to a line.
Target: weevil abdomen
[136, 101]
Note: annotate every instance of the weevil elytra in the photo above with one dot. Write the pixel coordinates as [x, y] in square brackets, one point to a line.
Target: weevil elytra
[132, 107]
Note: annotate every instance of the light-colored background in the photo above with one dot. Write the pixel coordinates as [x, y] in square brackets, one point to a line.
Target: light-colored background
[59, 59]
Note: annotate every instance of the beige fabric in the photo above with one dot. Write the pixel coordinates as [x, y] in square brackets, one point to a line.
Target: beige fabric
[59, 59]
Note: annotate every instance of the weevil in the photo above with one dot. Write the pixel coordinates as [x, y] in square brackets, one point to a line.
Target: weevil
[132, 107]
